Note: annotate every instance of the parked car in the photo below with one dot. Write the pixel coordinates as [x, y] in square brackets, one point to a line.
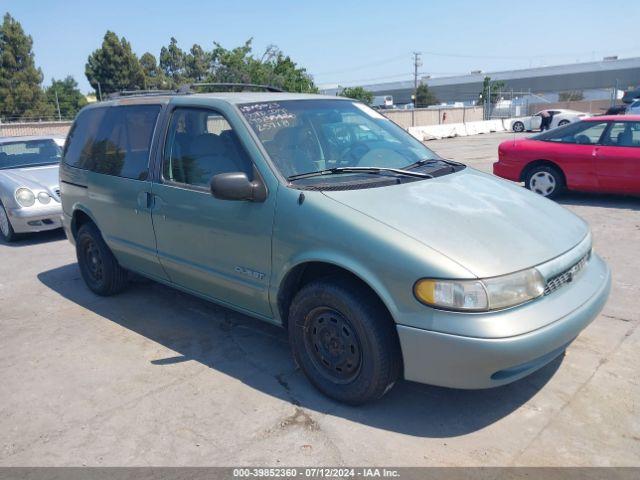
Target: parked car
[559, 118]
[631, 95]
[29, 193]
[318, 214]
[59, 140]
[633, 108]
[598, 154]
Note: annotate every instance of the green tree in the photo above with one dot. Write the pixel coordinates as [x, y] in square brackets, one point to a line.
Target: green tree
[286, 74]
[490, 90]
[425, 97]
[173, 63]
[154, 78]
[21, 94]
[197, 64]
[571, 96]
[357, 93]
[273, 67]
[69, 98]
[114, 66]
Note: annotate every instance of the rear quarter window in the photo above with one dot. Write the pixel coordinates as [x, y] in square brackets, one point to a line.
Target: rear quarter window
[113, 140]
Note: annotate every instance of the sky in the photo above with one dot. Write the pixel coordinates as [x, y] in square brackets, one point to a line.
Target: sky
[341, 42]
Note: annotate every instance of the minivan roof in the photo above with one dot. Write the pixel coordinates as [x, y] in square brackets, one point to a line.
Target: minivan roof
[231, 97]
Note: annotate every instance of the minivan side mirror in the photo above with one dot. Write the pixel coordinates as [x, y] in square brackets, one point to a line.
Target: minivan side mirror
[236, 186]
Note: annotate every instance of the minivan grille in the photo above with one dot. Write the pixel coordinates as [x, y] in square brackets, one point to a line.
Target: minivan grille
[567, 276]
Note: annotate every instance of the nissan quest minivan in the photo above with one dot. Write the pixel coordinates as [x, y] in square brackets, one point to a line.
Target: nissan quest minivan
[381, 259]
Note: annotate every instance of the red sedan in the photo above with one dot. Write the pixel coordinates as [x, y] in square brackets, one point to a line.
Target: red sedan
[598, 154]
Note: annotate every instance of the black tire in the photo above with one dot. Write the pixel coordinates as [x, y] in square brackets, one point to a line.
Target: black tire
[344, 340]
[517, 127]
[562, 123]
[545, 180]
[99, 268]
[6, 230]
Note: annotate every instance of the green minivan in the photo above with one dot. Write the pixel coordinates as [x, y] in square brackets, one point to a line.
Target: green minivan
[381, 259]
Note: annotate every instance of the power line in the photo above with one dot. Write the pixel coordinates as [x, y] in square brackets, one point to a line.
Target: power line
[463, 55]
[527, 57]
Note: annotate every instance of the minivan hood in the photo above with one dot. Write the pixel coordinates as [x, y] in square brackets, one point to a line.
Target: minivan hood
[488, 225]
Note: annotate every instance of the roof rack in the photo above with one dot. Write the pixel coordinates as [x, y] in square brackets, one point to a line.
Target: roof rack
[188, 88]
[140, 93]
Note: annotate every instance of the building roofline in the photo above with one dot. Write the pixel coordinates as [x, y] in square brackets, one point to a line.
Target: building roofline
[505, 75]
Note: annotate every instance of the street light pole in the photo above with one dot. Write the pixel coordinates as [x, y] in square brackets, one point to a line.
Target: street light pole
[416, 63]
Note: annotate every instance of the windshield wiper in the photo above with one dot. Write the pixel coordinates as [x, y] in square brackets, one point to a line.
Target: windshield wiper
[428, 161]
[373, 170]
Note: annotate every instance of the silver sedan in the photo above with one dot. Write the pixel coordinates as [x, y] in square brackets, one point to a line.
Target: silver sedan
[29, 189]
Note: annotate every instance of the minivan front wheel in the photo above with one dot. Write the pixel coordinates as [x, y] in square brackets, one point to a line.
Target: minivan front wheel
[344, 341]
[98, 267]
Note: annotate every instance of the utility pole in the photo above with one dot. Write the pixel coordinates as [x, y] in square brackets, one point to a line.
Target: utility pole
[58, 105]
[416, 63]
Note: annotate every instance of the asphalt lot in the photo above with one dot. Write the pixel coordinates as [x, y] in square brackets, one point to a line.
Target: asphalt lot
[156, 377]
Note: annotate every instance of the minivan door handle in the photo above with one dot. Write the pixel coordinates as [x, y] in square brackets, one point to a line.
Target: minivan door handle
[145, 201]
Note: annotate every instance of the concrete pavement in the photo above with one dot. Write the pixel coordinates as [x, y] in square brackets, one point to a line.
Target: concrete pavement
[157, 377]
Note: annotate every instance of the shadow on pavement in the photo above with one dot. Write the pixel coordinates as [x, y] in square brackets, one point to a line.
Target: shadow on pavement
[27, 239]
[599, 200]
[257, 354]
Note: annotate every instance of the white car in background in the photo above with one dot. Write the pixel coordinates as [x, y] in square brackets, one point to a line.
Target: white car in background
[559, 118]
[633, 108]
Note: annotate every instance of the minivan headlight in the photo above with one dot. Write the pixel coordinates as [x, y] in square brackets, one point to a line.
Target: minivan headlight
[25, 197]
[481, 295]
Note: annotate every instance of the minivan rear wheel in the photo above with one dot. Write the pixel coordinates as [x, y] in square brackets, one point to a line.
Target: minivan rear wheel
[344, 340]
[98, 266]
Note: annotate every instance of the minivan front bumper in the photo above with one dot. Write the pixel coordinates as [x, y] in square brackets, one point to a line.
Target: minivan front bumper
[458, 361]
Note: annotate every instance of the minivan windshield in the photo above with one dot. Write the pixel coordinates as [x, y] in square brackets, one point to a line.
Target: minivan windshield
[29, 153]
[333, 136]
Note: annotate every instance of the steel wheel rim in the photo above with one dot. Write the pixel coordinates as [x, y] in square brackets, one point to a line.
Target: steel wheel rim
[333, 345]
[93, 260]
[518, 127]
[542, 183]
[4, 222]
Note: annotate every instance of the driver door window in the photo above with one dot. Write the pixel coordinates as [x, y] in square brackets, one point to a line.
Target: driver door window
[583, 133]
[199, 145]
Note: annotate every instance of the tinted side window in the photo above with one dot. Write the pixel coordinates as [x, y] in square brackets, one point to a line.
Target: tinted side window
[82, 136]
[585, 133]
[114, 140]
[624, 134]
[199, 145]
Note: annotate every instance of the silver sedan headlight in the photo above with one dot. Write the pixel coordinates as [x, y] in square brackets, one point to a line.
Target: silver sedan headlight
[481, 295]
[25, 197]
[44, 198]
